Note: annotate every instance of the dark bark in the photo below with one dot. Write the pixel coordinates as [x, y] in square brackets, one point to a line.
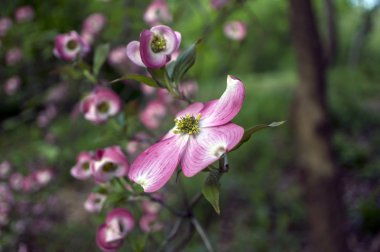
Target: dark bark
[320, 177]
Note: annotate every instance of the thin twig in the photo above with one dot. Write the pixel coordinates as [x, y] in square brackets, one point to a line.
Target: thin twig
[203, 234]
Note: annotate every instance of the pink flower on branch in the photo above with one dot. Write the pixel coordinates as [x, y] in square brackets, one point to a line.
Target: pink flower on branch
[155, 47]
[201, 135]
[101, 104]
[109, 163]
[70, 46]
[110, 236]
[157, 12]
[94, 202]
[82, 169]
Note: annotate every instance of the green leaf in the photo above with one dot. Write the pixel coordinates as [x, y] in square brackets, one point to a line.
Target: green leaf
[137, 188]
[249, 132]
[160, 76]
[211, 190]
[100, 57]
[184, 62]
[139, 78]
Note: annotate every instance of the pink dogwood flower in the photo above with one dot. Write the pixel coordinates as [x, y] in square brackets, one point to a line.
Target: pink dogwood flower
[202, 134]
[157, 12]
[218, 4]
[24, 14]
[155, 47]
[70, 46]
[109, 163]
[101, 104]
[5, 25]
[5, 168]
[95, 202]
[110, 236]
[82, 169]
[153, 114]
[13, 56]
[43, 176]
[94, 23]
[235, 30]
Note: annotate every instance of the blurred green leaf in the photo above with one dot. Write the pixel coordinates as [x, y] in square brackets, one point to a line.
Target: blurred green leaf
[184, 62]
[249, 132]
[137, 188]
[211, 190]
[100, 57]
[139, 78]
[160, 76]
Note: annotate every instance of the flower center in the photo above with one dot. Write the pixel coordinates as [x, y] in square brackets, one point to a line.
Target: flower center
[86, 166]
[109, 167]
[187, 124]
[158, 44]
[103, 107]
[72, 44]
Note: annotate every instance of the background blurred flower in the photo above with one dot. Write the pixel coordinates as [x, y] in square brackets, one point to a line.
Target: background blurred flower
[94, 23]
[5, 168]
[5, 25]
[82, 169]
[11, 85]
[153, 114]
[70, 46]
[157, 13]
[101, 104]
[24, 14]
[13, 56]
[235, 30]
[218, 4]
[94, 202]
[109, 163]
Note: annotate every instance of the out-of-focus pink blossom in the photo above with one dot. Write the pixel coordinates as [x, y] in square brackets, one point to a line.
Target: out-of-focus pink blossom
[5, 25]
[202, 134]
[94, 202]
[118, 57]
[101, 104]
[82, 169]
[29, 184]
[155, 46]
[147, 90]
[109, 163]
[118, 224]
[43, 176]
[218, 4]
[44, 117]
[88, 38]
[13, 56]
[24, 14]
[189, 88]
[70, 46]
[138, 143]
[16, 180]
[94, 23]
[12, 84]
[235, 30]
[157, 13]
[5, 168]
[5, 193]
[150, 223]
[153, 114]
[57, 93]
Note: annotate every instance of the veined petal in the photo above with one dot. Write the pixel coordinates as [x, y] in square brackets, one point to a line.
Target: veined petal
[153, 168]
[223, 110]
[133, 53]
[179, 39]
[105, 246]
[169, 35]
[208, 146]
[150, 58]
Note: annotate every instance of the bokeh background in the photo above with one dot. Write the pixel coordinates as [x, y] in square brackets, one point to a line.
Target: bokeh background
[266, 196]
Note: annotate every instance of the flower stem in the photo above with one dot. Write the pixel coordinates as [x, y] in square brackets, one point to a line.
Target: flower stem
[203, 234]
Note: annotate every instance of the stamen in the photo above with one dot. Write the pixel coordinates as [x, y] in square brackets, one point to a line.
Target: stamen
[72, 44]
[187, 124]
[109, 167]
[86, 166]
[158, 44]
[103, 107]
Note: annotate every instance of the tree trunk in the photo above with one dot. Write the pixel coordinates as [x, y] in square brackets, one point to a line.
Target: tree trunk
[331, 51]
[320, 178]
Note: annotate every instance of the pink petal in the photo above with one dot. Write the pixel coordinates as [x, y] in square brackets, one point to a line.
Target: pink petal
[222, 111]
[170, 36]
[153, 168]
[103, 244]
[133, 53]
[124, 217]
[150, 58]
[208, 146]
